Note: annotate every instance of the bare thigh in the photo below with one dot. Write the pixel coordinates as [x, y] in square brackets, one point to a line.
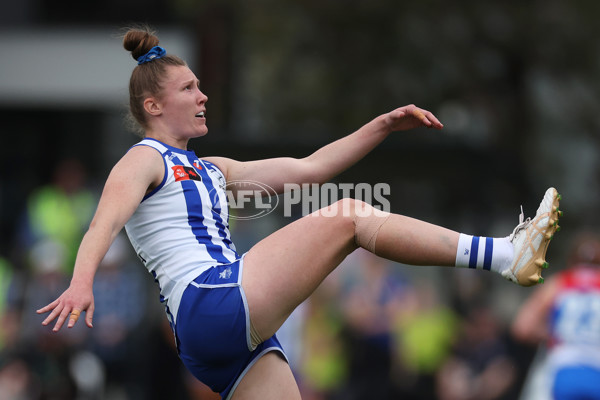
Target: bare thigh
[283, 269]
[269, 379]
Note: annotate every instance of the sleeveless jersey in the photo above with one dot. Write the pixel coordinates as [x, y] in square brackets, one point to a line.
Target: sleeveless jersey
[181, 228]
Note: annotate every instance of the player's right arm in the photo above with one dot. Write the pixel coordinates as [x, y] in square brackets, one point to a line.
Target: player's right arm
[140, 170]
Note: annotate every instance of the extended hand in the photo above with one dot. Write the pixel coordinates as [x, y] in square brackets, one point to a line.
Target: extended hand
[409, 117]
[73, 302]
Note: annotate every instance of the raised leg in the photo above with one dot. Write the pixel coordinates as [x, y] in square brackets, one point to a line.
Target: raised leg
[282, 270]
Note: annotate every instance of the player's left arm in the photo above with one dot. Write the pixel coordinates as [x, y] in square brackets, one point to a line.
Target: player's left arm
[330, 160]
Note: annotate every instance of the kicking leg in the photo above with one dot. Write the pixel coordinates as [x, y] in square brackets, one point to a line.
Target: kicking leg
[282, 270]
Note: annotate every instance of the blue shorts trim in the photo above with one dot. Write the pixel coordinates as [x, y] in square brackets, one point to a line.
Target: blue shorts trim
[213, 329]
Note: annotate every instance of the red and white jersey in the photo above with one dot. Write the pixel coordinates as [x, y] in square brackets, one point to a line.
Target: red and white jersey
[181, 228]
[575, 317]
[576, 308]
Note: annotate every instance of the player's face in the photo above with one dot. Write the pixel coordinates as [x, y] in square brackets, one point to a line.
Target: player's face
[183, 104]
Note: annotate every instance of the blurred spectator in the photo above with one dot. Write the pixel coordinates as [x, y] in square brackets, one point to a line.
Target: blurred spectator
[46, 280]
[426, 330]
[46, 354]
[54, 220]
[563, 317]
[324, 362]
[122, 301]
[60, 211]
[171, 380]
[17, 381]
[8, 312]
[291, 337]
[34, 362]
[16, 378]
[481, 366]
[372, 295]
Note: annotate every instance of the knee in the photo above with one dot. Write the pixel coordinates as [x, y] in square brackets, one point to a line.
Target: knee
[367, 221]
[359, 219]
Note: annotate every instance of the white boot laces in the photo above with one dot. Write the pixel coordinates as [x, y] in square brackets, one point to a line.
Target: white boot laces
[523, 223]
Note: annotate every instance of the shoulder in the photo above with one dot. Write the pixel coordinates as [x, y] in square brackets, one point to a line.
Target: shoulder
[148, 146]
[142, 163]
[142, 155]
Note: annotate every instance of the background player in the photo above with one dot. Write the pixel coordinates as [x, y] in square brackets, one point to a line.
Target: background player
[564, 317]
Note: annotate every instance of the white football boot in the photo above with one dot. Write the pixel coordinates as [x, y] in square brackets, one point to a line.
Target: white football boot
[531, 239]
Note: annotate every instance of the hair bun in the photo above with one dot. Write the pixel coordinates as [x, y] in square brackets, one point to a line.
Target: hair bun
[139, 42]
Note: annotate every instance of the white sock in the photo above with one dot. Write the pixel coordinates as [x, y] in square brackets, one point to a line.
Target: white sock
[495, 254]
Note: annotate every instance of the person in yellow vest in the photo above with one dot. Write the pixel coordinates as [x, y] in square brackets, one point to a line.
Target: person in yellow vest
[61, 211]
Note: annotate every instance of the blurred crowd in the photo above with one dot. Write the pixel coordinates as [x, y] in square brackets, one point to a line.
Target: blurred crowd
[374, 329]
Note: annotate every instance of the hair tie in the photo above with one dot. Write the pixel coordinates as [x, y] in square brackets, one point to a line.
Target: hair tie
[154, 53]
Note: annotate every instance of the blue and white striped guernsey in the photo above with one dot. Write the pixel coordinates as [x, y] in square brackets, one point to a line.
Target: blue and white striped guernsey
[181, 228]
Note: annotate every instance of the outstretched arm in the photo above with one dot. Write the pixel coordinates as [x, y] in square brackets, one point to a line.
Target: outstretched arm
[125, 187]
[331, 159]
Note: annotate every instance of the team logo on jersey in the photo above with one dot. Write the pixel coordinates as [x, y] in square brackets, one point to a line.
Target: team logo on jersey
[226, 274]
[183, 173]
[197, 164]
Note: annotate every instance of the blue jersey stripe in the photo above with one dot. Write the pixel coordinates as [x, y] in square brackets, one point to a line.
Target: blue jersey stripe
[196, 217]
[489, 249]
[474, 251]
[216, 205]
